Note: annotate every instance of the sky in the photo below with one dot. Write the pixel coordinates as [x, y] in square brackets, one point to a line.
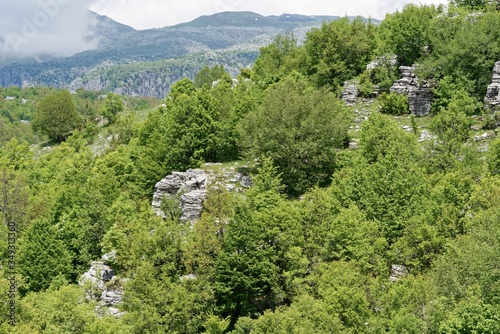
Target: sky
[60, 27]
[161, 13]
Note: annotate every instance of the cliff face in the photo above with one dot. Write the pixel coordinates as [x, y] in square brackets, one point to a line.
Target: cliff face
[14, 75]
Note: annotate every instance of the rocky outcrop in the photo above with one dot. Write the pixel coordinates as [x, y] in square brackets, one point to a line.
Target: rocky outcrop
[190, 188]
[350, 94]
[390, 60]
[420, 100]
[398, 272]
[192, 205]
[419, 96]
[492, 98]
[103, 286]
[407, 82]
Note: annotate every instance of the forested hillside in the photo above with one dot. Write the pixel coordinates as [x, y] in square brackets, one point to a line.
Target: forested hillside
[361, 217]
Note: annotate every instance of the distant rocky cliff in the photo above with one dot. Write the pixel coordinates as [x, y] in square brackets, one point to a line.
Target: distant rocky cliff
[148, 62]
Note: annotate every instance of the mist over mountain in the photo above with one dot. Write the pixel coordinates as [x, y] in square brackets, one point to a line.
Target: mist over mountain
[43, 28]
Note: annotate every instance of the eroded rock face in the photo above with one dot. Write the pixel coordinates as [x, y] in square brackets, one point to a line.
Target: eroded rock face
[492, 98]
[350, 95]
[191, 187]
[102, 285]
[420, 100]
[419, 96]
[192, 205]
[397, 272]
[390, 60]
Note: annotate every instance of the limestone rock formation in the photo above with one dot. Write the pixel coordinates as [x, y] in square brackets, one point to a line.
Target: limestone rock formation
[190, 186]
[420, 100]
[408, 80]
[103, 285]
[350, 94]
[419, 96]
[390, 60]
[492, 98]
[192, 205]
[397, 272]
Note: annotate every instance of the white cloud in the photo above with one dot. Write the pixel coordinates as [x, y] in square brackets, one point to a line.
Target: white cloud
[35, 27]
[159, 13]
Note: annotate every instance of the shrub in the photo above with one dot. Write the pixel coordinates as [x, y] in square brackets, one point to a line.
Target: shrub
[394, 104]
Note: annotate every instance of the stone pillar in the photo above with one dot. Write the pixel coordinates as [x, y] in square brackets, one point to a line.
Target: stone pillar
[492, 98]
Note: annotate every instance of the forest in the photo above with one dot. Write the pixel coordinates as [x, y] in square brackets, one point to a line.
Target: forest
[355, 221]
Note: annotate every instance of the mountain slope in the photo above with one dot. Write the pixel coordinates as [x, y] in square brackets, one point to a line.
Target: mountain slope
[147, 62]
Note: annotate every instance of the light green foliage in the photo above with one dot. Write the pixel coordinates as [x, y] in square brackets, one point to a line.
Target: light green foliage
[406, 306]
[394, 104]
[452, 125]
[56, 115]
[338, 51]
[385, 179]
[458, 36]
[420, 244]
[113, 105]
[472, 316]
[37, 262]
[207, 76]
[157, 304]
[13, 197]
[304, 315]
[63, 311]
[382, 76]
[215, 325]
[407, 33]
[381, 136]
[392, 191]
[494, 158]
[193, 128]
[262, 230]
[276, 60]
[209, 230]
[351, 237]
[443, 93]
[299, 128]
[466, 259]
[340, 286]
[317, 208]
[449, 203]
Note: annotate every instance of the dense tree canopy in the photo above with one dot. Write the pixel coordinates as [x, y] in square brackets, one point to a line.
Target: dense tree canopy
[358, 219]
[407, 34]
[338, 51]
[56, 115]
[299, 128]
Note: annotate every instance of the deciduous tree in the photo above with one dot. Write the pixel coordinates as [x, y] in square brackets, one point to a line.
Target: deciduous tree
[56, 115]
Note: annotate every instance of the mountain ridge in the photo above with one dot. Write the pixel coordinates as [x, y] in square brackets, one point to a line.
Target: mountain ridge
[127, 60]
